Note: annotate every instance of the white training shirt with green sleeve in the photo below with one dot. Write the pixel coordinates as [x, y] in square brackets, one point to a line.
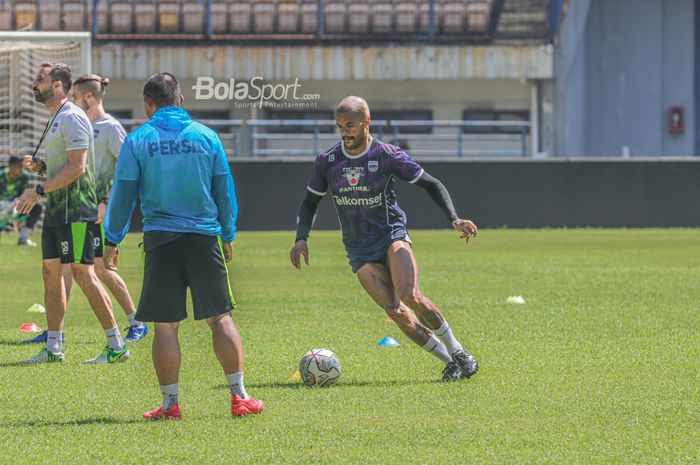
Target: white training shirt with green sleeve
[77, 202]
[109, 136]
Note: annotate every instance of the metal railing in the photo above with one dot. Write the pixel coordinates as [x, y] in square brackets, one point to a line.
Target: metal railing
[258, 138]
[450, 141]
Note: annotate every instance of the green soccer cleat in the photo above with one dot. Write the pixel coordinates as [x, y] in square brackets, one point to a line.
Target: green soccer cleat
[44, 356]
[111, 356]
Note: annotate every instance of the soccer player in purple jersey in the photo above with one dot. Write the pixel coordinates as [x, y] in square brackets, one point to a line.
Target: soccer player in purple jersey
[359, 173]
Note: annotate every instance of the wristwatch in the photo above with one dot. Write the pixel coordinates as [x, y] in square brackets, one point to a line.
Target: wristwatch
[40, 190]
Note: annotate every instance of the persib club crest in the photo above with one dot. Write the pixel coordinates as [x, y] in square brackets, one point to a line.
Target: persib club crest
[354, 174]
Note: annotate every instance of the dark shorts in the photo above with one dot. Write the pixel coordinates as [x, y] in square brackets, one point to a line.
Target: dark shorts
[375, 254]
[98, 239]
[72, 243]
[193, 261]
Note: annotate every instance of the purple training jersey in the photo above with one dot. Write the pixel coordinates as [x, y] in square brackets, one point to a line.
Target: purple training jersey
[362, 191]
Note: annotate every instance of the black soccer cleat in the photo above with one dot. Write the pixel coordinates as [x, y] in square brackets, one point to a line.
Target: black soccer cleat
[451, 372]
[466, 362]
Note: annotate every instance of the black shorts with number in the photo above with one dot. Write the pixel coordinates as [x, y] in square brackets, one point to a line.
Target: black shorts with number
[72, 243]
[98, 239]
[172, 263]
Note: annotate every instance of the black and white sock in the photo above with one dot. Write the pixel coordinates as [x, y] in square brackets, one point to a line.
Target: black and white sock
[444, 333]
[235, 382]
[170, 394]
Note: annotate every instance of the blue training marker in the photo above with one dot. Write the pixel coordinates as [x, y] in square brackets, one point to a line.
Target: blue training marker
[388, 342]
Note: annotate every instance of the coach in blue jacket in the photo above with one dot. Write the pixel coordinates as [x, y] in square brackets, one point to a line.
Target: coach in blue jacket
[178, 169]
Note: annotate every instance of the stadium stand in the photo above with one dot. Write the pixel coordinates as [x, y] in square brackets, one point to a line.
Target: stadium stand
[145, 15]
[288, 16]
[74, 16]
[406, 16]
[168, 18]
[272, 19]
[335, 15]
[240, 17]
[264, 16]
[50, 15]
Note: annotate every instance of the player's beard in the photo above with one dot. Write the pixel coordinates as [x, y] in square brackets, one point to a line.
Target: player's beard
[355, 142]
[43, 96]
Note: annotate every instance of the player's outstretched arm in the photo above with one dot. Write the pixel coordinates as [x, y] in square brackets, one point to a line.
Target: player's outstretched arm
[438, 192]
[466, 227]
[305, 220]
[300, 249]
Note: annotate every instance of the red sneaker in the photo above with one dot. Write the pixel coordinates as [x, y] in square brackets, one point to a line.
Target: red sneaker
[241, 407]
[161, 414]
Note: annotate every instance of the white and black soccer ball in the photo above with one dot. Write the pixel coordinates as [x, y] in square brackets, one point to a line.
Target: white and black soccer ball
[319, 367]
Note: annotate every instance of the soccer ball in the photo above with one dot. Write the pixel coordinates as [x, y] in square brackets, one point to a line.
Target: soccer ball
[319, 367]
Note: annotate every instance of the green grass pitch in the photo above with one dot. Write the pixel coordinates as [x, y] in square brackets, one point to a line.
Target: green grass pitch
[599, 366]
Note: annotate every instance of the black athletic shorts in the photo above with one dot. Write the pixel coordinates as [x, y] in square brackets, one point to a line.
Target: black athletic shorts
[72, 243]
[376, 254]
[174, 262]
[98, 239]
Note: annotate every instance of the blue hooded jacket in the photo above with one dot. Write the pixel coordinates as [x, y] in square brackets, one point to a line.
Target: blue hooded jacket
[179, 171]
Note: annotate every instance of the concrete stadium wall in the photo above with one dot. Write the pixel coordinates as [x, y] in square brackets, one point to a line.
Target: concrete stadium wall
[619, 65]
[514, 193]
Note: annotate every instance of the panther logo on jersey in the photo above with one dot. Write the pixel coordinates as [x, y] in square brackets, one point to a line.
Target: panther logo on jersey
[353, 175]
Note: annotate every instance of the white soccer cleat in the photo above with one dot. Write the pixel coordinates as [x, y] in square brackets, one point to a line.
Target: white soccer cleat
[45, 357]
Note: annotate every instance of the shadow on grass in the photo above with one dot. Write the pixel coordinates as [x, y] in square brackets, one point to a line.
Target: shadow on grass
[340, 385]
[8, 342]
[86, 421]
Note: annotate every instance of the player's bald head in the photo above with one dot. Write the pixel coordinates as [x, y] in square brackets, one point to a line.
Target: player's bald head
[353, 106]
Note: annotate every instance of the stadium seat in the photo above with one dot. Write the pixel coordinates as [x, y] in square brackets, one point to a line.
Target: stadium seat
[219, 18]
[145, 14]
[358, 17]
[74, 16]
[25, 15]
[168, 18]
[424, 20]
[193, 15]
[240, 20]
[5, 15]
[453, 15]
[288, 16]
[263, 16]
[120, 18]
[406, 13]
[334, 16]
[50, 15]
[309, 17]
[478, 15]
[382, 14]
